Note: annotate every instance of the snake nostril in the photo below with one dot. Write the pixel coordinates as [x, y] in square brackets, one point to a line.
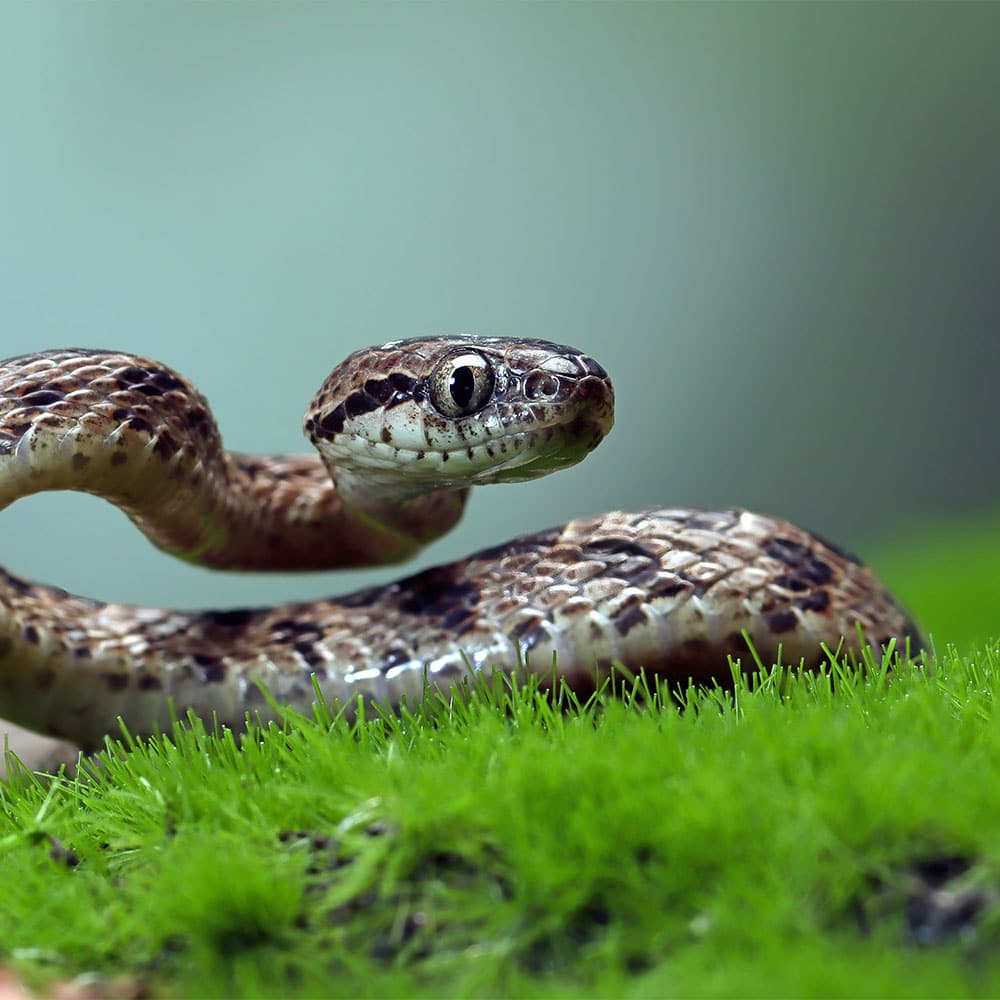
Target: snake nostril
[541, 385]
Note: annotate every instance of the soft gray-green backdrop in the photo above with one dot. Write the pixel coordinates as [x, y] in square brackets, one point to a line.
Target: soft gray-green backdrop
[776, 225]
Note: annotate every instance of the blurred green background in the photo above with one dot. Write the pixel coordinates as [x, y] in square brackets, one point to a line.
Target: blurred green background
[777, 225]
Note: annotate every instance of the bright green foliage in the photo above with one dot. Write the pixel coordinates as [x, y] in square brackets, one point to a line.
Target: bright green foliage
[760, 843]
[836, 834]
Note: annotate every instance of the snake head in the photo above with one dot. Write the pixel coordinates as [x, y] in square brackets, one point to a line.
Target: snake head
[450, 412]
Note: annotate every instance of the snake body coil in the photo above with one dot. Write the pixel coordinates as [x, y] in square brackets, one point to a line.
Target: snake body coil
[402, 431]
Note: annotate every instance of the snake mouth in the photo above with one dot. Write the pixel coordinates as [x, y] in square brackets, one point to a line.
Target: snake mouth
[517, 453]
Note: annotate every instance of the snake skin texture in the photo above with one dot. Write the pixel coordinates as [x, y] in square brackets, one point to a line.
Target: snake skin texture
[403, 431]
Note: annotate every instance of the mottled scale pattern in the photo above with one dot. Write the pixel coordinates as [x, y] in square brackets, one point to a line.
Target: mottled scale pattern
[668, 590]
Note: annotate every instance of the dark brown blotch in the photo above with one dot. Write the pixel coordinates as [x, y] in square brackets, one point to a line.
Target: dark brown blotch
[818, 600]
[198, 420]
[788, 551]
[167, 381]
[458, 619]
[333, 422]
[395, 657]
[524, 627]
[379, 389]
[132, 376]
[359, 403]
[43, 397]
[811, 572]
[214, 673]
[230, 619]
[782, 621]
[310, 653]
[670, 587]
[532, 635]
[138, 424]
[698, 587]
[166, 447]
[401, 382]
[630, 618]
[286, 628]
[436, 593]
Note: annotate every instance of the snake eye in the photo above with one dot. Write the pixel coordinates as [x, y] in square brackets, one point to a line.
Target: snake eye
[462, 384]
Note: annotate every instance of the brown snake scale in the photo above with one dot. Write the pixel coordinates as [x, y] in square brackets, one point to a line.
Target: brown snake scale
[403, 431]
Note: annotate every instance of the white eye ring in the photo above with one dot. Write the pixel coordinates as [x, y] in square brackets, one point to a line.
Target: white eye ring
[461, 384]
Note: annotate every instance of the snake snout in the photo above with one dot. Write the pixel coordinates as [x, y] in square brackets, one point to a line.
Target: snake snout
[590, 411]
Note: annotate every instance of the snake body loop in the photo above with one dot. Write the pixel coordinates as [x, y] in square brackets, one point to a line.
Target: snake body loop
[402, 432]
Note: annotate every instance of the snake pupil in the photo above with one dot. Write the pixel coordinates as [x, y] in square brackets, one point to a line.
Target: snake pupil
[462, 386]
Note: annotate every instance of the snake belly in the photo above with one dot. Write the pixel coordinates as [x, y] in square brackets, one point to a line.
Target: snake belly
[403, 431]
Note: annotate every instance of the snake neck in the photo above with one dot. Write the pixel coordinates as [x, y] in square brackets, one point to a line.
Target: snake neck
[401, 521]
[285, 513]
[237, 512]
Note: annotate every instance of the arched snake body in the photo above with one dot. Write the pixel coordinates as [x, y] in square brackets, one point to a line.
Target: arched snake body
[402, 431]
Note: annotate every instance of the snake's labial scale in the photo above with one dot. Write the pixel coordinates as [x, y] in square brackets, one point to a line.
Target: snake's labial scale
[669, 590]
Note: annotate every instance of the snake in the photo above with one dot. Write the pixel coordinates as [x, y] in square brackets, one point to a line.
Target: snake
[401, 433]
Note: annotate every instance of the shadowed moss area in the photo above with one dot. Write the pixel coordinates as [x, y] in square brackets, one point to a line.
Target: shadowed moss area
[830, 834]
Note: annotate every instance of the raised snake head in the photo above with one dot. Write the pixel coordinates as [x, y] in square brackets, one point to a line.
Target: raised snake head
[427, 414]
